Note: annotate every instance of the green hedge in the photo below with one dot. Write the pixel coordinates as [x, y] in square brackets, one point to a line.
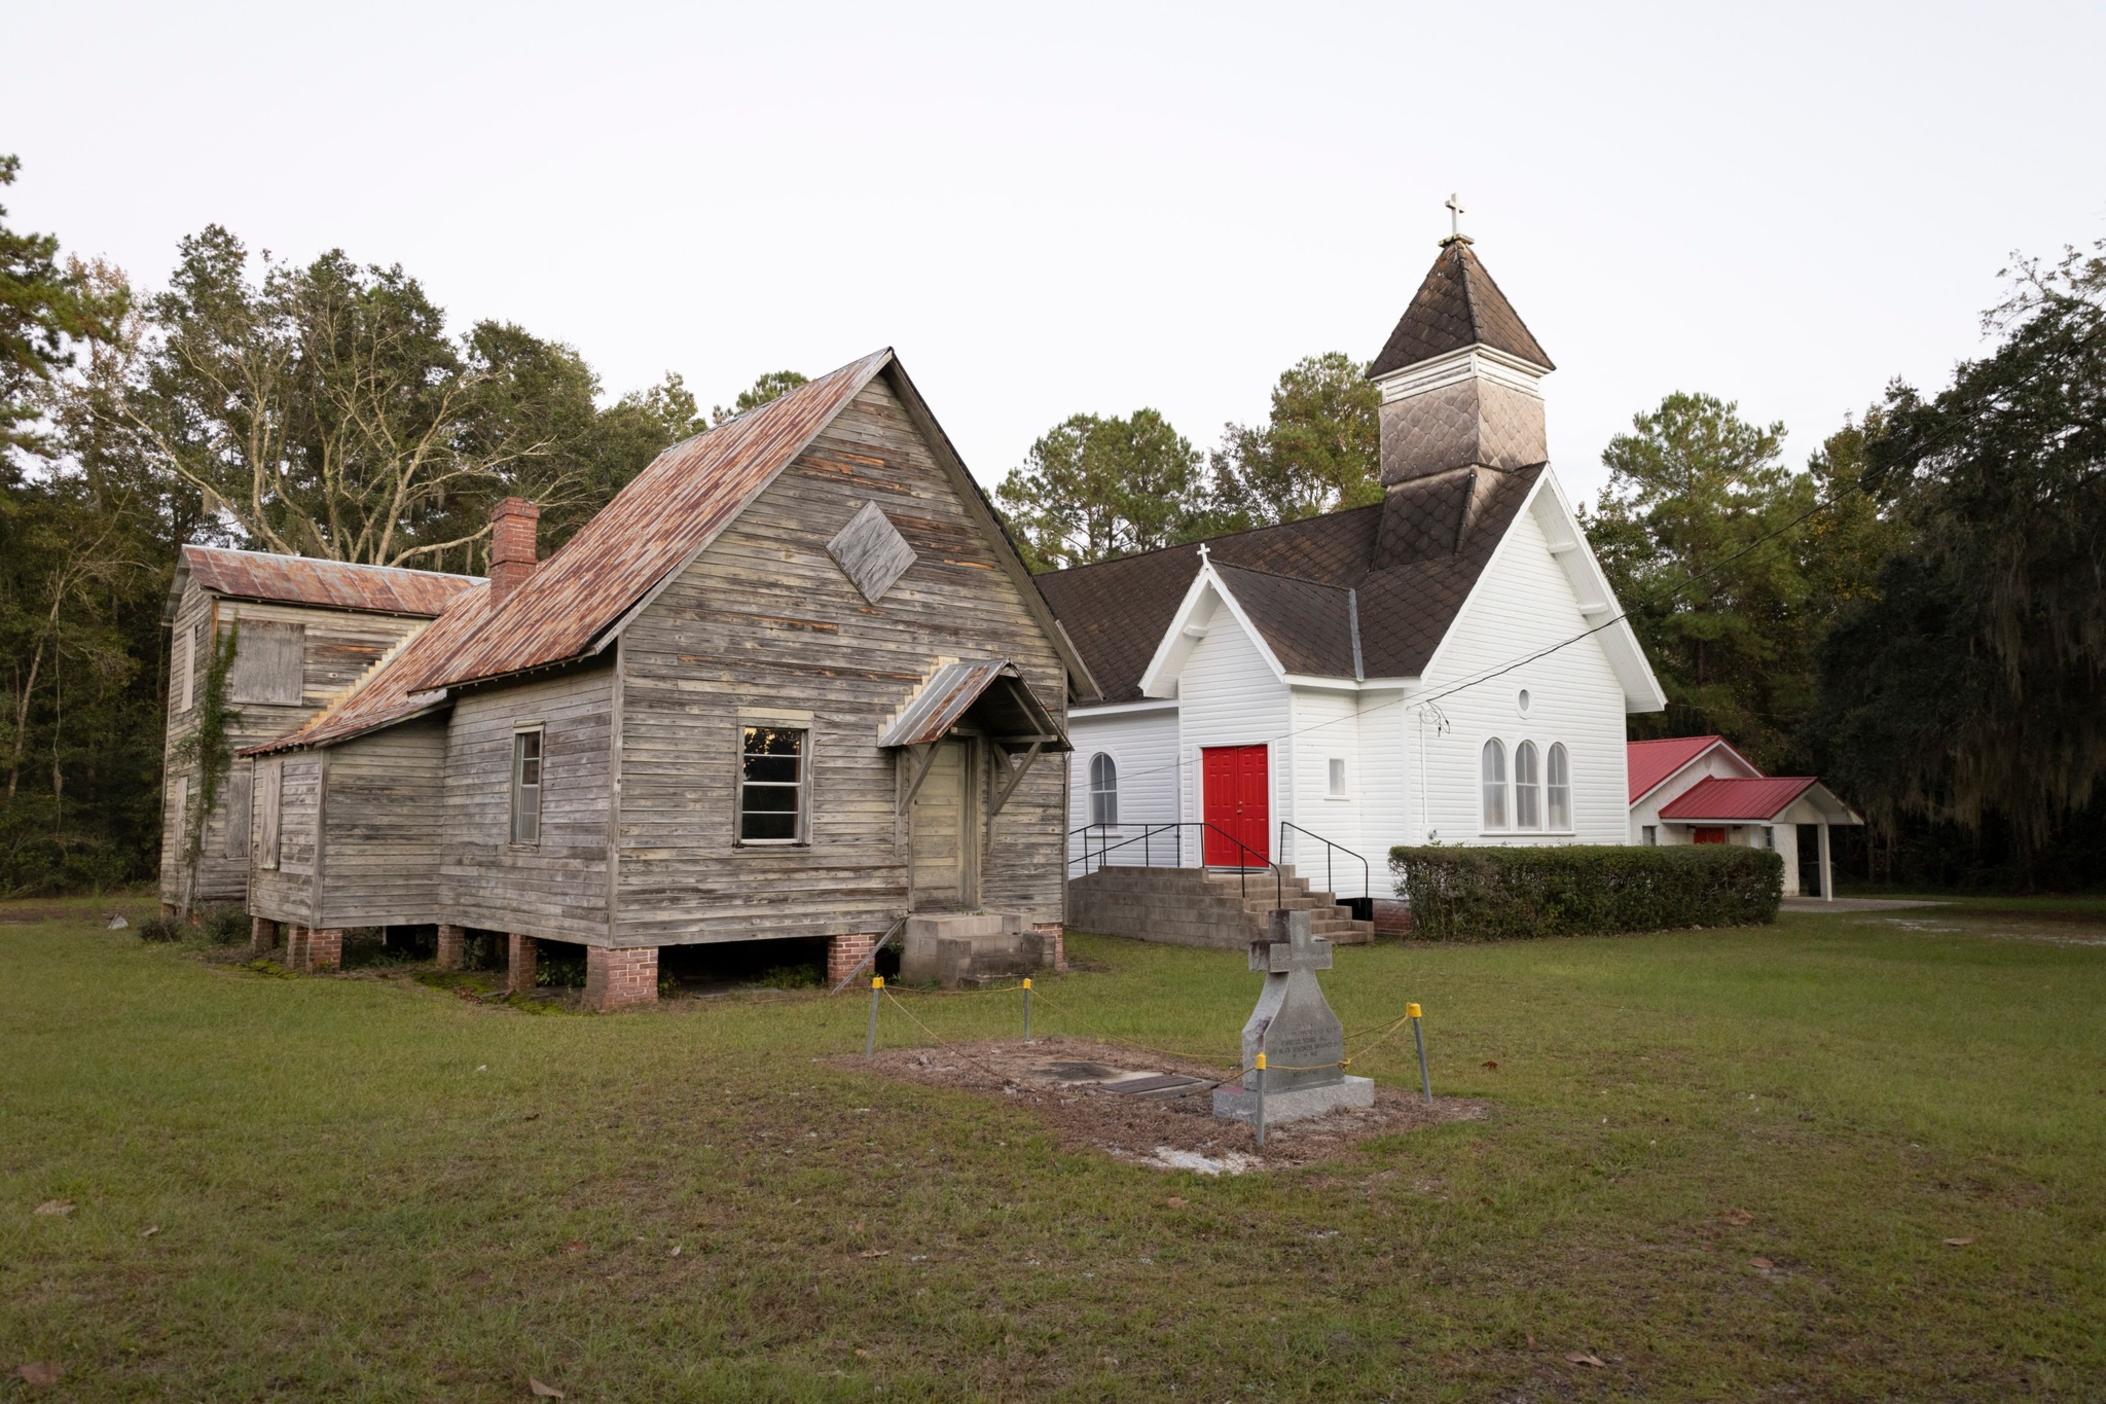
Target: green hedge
[1493, 894]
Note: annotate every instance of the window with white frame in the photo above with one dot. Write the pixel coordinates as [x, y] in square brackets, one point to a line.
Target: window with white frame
[1528, 788]
[1337, 777]
[1560, 787]
[1494, 774]
[526, 786]
[772, 789]
[1104, 789]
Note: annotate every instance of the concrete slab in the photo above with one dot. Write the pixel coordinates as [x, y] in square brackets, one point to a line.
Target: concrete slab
[1855, 904]
[1238, 1103]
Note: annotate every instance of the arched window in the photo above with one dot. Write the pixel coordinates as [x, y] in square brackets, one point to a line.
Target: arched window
[1494, 784]
[1104, 789]
[1560, 788]
[1528, 788]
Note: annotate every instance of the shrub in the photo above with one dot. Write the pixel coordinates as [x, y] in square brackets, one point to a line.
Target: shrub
[1491, 894]
[160, 929]
[223, 925]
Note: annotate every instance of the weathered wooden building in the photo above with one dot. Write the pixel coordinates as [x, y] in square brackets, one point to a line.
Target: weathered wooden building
[793, 682]
[301, 631]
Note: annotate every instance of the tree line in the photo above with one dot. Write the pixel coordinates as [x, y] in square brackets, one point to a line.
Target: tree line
[1919, 616]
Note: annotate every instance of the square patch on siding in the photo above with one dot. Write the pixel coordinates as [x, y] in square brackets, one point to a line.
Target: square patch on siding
[871, 552]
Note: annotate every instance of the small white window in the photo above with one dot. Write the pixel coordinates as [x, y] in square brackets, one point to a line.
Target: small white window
[1494, 771]
[1522, 701]
[1560, 788]
[526, 787]
[771, 784]
[1528, 788]
[1338, 777]
[1104, 789]
[1651, 835]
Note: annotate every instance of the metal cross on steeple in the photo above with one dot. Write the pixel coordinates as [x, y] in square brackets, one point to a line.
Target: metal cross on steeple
[1455, 214]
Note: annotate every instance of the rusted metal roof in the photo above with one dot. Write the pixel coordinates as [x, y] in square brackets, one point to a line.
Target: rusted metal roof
[306, 580]
[1012, 712]
[671, 510]
[385, 693]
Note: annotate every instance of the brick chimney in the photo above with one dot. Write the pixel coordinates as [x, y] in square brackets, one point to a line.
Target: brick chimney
[512, 547]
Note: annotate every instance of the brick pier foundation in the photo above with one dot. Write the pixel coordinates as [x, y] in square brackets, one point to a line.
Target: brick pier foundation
[1053, 944]
[620, 979]
[325, 950]
[263, 935]
[453, 947]
[520, 953]
[847, 951]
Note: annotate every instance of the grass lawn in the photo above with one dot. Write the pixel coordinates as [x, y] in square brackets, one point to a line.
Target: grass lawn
[1722, 1164]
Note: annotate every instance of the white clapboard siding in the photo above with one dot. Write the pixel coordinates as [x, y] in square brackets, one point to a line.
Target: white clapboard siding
[1228, 695]
[1523, 603]
[1143, 746]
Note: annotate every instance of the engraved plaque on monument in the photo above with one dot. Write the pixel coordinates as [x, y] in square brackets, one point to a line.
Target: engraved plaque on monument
[1303, 1042]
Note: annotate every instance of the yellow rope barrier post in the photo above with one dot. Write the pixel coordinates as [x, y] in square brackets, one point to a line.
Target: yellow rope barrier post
[1258, 1120]
[1411, 1012]
[1027, 1009]
[877, 992]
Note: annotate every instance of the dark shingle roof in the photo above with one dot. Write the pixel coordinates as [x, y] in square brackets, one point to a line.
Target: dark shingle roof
[1407, 561]
[1458, 305]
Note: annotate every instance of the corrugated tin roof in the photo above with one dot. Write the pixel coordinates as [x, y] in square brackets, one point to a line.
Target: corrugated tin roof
[1650, 762]
[384, 695]
[306, 580]
[671, 510]
[1737, 800]
[958, 688]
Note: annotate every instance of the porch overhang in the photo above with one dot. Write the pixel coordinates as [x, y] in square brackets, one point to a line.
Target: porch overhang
[1720, 800]
[988, 699]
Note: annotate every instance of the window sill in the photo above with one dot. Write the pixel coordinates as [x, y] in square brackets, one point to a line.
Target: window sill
[771, 846]
[1338, 799]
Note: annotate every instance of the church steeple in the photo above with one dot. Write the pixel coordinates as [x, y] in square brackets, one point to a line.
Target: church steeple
[1459, 375]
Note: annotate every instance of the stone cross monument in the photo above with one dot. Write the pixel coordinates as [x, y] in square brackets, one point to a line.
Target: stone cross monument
[1303, 1042]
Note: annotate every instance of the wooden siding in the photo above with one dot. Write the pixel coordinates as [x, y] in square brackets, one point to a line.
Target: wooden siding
[764, 619]
[382, 828]
[286, 893]
[336, 647]
[558, 887]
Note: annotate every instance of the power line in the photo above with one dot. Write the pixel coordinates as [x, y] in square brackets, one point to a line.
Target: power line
[1501, 669]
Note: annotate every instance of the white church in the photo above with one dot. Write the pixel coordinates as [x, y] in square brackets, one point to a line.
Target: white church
[1446, 666]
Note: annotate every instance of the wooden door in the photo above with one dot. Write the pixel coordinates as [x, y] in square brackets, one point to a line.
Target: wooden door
[1235, 800]
[1707, 835]
[941, 833]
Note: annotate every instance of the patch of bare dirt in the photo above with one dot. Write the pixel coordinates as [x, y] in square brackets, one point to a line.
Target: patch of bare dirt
[1057, 1079]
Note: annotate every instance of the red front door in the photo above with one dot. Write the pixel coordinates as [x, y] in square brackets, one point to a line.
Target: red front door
[1707, 836]
[1234, 787]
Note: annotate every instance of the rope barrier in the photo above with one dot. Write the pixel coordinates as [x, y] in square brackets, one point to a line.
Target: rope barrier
[878, 988]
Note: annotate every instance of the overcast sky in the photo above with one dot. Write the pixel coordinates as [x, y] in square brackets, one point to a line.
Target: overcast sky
[1064, 208]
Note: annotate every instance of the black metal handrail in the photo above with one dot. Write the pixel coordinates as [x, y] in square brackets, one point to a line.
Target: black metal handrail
[1149, 831]
[1367, 874]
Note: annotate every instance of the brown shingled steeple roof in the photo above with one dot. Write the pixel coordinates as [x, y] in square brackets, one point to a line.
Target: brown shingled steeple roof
[1458, 305]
